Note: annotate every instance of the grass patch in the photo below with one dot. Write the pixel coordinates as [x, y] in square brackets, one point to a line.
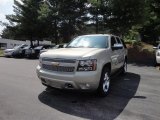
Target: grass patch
[1, 52]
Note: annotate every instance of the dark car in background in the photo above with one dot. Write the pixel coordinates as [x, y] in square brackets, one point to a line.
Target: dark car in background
[28, 50]
[54, 47]
[17, 51]
[60, 46]
[34, 52]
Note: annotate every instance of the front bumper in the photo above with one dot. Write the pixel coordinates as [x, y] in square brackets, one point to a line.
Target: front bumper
[76, 80]
[7, 54]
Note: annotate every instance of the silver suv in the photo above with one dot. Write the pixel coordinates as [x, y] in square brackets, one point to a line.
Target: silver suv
[87, 63]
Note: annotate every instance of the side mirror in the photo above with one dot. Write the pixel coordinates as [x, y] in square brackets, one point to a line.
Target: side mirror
[155, 47]
[117, 46]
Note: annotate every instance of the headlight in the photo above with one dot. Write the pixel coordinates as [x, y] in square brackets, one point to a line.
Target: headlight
[158, 54]
[87, 65]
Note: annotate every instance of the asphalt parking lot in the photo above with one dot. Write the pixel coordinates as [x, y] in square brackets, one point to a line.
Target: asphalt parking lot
[135, 96]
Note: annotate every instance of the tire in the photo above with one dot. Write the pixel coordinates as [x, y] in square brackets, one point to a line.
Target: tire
[104, 85]
[155, 63]
[124, 68]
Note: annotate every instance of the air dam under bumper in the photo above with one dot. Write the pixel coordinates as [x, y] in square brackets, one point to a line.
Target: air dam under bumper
[76, 80]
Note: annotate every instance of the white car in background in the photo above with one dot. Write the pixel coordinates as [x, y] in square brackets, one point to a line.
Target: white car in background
[17, 50]
[157, 54]
[8, 52]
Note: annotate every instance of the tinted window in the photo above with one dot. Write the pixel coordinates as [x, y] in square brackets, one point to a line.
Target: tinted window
[39, 47]
[123, 43]
[46, 47]
[118, 40]
[23, 46]
[27, 47]
[89, 42]
[113, 41]
[60, 46]
[16, 47]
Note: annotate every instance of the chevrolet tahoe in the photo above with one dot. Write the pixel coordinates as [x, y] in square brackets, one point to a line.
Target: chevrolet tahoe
[86, 63]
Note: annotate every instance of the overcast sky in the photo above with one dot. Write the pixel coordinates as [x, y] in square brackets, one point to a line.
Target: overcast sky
[6, 7]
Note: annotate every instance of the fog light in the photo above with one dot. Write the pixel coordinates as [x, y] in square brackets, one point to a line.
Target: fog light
[87, 85]
[84, 86]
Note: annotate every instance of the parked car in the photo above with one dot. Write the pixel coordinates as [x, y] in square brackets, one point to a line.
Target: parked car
[17, 51]
[157, 54]
[45, 50]
[8, 52]
[35, 52]
[29, 50]
[54, 47]
[60, 46]
[87, 63]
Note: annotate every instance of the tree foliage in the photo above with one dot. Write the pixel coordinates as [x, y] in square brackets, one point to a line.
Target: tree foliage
[26, 20]
[150, 30]
[62, 19]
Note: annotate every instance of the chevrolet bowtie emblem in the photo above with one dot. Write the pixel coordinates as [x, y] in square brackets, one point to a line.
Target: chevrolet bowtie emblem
[55, 63]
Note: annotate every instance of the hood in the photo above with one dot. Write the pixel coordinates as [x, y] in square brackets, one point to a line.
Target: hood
[72, 53]
[8, 50]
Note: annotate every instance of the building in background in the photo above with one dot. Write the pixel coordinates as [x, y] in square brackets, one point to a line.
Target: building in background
[8, 43]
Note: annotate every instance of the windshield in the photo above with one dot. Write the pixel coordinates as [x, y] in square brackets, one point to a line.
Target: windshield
[89, 42]
[39, 47]
[16, 47]
[27, 47]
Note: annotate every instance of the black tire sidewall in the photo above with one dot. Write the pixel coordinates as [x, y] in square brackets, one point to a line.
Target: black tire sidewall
[101, 92]
[123, 68]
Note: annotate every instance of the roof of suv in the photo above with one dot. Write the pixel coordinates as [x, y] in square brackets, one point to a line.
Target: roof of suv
[100, 35]
[97, 35]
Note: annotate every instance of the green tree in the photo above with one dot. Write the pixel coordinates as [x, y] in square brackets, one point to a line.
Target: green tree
[123, 14]
[151, 28]
[96, 9]
[72, 17]
[26, 18]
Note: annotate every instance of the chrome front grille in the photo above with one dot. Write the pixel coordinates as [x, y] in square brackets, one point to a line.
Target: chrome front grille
[60, 60]
[58, 68]
[59, 64]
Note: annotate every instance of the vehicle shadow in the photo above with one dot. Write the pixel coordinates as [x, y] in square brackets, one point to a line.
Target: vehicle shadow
[90, 106]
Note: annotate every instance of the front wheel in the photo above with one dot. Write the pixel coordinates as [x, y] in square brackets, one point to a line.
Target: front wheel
[124, 68]
[104, 84]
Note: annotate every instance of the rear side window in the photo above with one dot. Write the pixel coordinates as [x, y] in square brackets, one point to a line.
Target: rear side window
[118, 40]
[113, 41]
[46, 47]
[123, 43]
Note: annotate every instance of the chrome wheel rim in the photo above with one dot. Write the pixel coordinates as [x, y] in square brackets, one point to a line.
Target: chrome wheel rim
[106, 83]
[125, 67]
